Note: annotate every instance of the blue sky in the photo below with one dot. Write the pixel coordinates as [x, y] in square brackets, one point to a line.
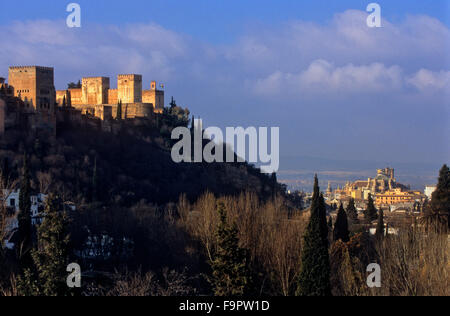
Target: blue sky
[337, 89]
[215, 20]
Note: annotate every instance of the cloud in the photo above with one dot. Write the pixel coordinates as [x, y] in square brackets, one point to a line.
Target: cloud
[429, 82]
[323, 78]
[94, 50]
[418, 40]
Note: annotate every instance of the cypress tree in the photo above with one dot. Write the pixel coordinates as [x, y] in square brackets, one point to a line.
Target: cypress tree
[370, 214]
[47, 276]
[323, 221]
[25, 236]
[380, 225]
[172, 103]
[273, 183]
[119, 110]
[192, 123]
[439, 207]
[341, 226]
[314, 279]
[352, 213]
[231, 276]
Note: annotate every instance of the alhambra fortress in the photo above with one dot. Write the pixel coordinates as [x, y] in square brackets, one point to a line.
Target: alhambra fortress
[30, 96]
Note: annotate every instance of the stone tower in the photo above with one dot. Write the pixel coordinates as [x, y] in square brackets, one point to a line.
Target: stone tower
[129, 88]
[154, 96]
[95, 90]
[34, 85]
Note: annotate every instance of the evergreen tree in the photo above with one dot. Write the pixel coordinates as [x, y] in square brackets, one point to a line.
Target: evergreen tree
[352, 213]
[438, 210]
[330, 223]
[314, 279]
[25, 235]
[231, 276]
[64, 102]
[323, 221]
[380, 225]
[192, 123]
[341, 226]
[119, 110]
[172, 103]
[273, 183]
[370, 214]
[47, 276]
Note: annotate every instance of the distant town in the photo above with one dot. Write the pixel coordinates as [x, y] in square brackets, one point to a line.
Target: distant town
[397, 200]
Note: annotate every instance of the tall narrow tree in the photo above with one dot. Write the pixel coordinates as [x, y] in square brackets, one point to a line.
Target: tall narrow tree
[438, 210]
[370, 214]
[323, 221]
[380, 225]
[119, 110]
[341, 226]
[352, 213]
[25, 233]
[273, 183]
[231, 276]
[314, 279]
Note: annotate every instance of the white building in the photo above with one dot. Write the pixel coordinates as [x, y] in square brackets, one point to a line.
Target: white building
[429, 189]
[11, 199]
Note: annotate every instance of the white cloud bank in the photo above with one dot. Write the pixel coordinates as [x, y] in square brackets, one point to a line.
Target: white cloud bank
[322, 77]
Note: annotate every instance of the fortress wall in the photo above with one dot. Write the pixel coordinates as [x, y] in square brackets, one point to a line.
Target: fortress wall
[103, 112]
[112, 96]
[76, 96]
[153, 96]
[133, 110]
